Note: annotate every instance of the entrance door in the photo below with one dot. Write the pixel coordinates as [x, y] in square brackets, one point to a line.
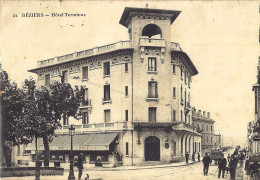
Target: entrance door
[152, 148]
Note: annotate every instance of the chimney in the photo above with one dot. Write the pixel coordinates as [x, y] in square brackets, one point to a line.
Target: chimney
[204, 113]
[209, 115]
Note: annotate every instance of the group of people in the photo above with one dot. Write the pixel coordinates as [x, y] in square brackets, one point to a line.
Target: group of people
[222, 165]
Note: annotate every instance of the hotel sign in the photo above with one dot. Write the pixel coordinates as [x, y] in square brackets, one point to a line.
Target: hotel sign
[88, 147]
[97, 148]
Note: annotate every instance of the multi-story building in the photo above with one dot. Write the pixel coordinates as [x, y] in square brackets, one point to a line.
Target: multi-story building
[136, 108]
[205, 126]
[254, 126]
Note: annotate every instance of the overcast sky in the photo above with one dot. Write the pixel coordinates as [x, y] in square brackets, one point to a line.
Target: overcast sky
[221, 39]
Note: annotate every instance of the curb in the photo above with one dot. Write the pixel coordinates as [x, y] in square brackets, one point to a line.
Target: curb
[138, 168]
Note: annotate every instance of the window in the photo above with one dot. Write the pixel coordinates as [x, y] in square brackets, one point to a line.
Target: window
[195, 147]
[85, 73]
[106, 68]
[107, 115]
[207, 127]
[173, 69]
[152, 89]
[173, 115]
[18, 150]
[211, 139]
[106, 92]
[219, 139]
[47, 79]
[181, 73]
[65, 119]
[64, 78]
[126, 67]
[85, 96]
[185, 77]
[152, 64]
[185, 118]
[85, 118]
[126, 115]
[207, 139]
[126, 90]
[189, 120]
[185, 95]
[211, 128]
[174, 148]
[189, 79]
[152, 114]
[126, 149]
[174, 92]
[181, 94]
[199, 146]
[181, 116]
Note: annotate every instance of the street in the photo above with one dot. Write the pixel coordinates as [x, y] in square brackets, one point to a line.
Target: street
[192, 171]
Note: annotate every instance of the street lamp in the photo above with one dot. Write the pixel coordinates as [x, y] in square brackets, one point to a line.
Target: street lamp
[71, 132]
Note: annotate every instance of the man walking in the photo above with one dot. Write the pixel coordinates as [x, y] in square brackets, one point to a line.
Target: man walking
[80, 165]
[187, 157]
[206, 161]
[233, 166]
[222, 163]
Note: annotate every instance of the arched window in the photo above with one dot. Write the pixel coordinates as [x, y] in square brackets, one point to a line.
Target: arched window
[152, 31]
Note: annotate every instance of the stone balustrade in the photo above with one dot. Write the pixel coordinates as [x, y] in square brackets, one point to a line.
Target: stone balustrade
[86, 53]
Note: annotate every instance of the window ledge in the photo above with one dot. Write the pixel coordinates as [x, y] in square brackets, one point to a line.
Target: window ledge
[174, 97]
[84, 80]
[126, 155]
[126, 96]
[106, 76]
[107, 101]
[152, 99]
[126, 71]
[174, 73]
[152, 72]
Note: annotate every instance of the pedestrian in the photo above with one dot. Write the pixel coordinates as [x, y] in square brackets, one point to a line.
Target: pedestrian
[198, 156]
[222, 163]
[193, 156]
[80, 165]
[233, 166]
[187, 157]
[206, 162]
[228, 157]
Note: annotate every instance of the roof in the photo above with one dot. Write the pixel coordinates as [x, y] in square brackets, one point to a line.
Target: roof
[123, 21]
[188, 61]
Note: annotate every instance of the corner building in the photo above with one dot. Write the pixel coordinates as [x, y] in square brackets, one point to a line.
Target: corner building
[136, 106]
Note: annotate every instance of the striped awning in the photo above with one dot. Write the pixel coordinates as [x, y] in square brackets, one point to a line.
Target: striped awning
[81, 142]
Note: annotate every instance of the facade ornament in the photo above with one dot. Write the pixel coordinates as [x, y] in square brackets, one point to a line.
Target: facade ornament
[40, 77]
[56, 73]
[75, 69]
[126, 58]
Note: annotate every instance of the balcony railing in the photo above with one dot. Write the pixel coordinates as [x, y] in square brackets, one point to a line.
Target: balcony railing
[86, 103]
[106, 100]
[152, 42]
[152, 97]
[97, 127]
[175, 47]
[86, 53]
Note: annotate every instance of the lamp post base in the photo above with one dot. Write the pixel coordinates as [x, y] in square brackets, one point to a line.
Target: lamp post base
[71, 174]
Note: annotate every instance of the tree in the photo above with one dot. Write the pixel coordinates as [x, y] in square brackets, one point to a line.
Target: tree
[45, 107]
[12, 131]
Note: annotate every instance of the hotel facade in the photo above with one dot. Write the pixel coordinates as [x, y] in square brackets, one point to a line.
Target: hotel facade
[136, 108]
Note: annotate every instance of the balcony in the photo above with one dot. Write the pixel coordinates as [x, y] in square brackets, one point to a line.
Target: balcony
[150, 42]
[85, 104]
[184, 127]
[106, 100]
[86, 53]
[110, 126]
[187, 107]
[175, 47]
[152, 97]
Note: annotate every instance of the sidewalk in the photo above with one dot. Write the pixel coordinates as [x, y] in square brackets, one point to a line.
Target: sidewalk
[126, 168]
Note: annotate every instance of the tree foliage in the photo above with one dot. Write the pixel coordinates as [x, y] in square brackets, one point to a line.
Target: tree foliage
[45, 107]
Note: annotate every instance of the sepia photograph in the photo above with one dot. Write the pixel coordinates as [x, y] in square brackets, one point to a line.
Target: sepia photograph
[129, 90]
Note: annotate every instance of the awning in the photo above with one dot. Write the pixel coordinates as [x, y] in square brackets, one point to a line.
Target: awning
[81, 142]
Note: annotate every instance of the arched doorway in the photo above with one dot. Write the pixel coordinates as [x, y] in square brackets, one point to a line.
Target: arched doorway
[152, 148]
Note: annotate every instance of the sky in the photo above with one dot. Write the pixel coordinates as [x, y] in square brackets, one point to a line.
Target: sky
[220, 37]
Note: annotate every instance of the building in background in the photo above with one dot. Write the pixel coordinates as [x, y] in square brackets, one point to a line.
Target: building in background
[254, 126]
[205, 125]
[136, 107]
